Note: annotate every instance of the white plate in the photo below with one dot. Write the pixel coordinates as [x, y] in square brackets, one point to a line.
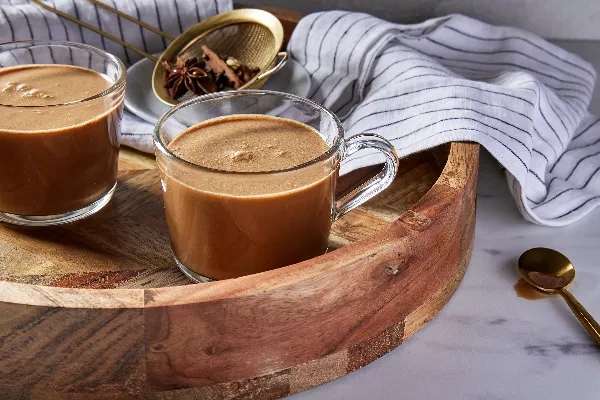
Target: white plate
[140, 99]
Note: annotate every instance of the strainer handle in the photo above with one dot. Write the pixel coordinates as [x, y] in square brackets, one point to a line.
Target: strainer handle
[282, 56]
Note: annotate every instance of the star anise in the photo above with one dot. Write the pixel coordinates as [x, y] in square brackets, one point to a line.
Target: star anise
[212, 73]
[186, 75]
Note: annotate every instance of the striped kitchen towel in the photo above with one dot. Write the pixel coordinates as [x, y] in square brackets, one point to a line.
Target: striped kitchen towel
[456, 78]
[23, 20]
[447, 79]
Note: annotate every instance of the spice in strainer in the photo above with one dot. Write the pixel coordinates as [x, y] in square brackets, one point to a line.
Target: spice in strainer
[212, 73]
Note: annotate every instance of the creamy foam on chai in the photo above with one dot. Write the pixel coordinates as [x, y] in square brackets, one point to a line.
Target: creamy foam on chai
[55, 158]
[44, 85]
[249, 143]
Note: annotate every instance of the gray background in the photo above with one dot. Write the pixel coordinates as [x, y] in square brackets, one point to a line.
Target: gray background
[556, 19]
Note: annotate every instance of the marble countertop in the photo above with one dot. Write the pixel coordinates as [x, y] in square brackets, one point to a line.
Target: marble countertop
[488, 343]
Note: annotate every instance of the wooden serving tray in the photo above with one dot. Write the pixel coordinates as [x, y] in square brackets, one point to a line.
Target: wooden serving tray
[99, 308]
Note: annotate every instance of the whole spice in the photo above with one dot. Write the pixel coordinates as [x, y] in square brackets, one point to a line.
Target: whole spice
[212, 73]
[184, 76]
[219, 66]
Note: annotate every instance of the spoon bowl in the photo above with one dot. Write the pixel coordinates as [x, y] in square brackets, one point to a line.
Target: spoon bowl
[546, 269]
[550, 271]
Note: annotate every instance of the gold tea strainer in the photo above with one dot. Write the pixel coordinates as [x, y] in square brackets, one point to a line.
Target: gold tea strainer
[254, 37]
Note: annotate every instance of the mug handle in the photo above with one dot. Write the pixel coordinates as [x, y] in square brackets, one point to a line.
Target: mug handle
[375, 185]
[282, 56]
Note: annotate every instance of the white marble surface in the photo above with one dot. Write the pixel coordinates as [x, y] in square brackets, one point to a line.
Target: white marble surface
[487, 343]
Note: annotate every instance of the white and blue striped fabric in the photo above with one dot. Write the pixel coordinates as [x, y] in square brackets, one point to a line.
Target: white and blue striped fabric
[459, 79]
[447, 79]
[23, 20]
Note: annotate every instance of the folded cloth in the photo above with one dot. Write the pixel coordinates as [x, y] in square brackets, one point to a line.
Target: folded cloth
[23, 20]
[459, 79]
[447, 79]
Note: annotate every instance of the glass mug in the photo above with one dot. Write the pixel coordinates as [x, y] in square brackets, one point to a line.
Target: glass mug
[63, 167]
[225, 224]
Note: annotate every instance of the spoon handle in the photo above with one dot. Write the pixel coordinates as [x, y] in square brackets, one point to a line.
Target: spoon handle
[588, 322]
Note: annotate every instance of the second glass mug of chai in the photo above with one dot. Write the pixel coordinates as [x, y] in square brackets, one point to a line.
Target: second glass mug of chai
[225, 224]
[60, 114]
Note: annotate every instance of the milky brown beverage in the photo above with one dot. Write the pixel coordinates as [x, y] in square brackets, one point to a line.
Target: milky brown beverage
[226, 225]
[55, 159]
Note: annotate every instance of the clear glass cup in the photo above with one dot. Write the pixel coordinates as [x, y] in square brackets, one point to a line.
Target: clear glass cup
[63, 167]
[225, 224]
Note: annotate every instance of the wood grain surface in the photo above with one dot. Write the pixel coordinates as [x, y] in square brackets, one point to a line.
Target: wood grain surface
[98, 310]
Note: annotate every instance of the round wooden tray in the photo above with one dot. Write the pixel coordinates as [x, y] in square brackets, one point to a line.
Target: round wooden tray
[262, 336]
[97, 309]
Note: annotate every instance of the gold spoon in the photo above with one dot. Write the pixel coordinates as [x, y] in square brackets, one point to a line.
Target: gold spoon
[550, 271]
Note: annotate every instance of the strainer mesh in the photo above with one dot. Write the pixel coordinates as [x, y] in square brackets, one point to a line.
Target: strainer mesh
[252, 44]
